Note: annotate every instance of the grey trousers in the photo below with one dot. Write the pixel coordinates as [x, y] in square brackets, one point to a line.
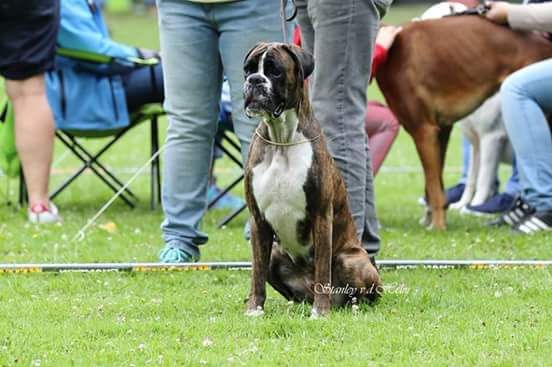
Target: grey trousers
[341, 35]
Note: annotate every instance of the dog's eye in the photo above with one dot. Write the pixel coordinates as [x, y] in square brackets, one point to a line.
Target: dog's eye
[249, 69]
[272, 70]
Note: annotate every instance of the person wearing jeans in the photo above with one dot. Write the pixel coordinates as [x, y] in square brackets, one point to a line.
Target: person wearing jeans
[526, 96]
[201, 41]
[341, 34]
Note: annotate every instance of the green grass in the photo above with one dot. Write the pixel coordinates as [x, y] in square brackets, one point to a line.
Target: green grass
[435, 317]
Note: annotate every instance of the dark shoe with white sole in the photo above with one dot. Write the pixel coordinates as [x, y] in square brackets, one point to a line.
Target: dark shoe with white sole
[539, 221]
[516, 215]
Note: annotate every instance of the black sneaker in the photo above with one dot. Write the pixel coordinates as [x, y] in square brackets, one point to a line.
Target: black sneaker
[537, 222]
[518, 213]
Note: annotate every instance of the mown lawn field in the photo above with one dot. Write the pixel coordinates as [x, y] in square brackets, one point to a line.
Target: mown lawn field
[427, 316]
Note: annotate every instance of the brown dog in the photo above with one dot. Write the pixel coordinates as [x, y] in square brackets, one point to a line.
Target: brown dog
[303, 235]
[439, 71]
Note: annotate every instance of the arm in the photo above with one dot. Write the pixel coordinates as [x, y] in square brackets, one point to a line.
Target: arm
[384, 40]
[81, 30]
[531, 17]
[380, 56]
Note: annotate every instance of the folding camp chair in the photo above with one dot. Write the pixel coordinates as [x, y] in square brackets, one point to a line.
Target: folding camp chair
[72, 140]
[233, 152]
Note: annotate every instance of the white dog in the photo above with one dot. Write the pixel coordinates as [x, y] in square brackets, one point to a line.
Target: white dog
[485, 130]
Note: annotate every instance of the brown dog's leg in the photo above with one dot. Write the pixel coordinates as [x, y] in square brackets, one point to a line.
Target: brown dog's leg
[428, 145]
[322, 238]
[261, 243]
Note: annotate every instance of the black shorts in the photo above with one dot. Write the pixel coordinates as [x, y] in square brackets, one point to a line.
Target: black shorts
[28, 31]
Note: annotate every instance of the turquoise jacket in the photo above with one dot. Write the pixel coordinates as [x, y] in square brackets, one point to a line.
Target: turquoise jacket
[85, 90]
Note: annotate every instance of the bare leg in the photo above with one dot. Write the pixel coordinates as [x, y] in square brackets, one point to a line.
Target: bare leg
[34, 134]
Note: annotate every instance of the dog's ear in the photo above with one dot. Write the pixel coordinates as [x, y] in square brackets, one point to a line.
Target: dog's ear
[302, 58]
[259, 46]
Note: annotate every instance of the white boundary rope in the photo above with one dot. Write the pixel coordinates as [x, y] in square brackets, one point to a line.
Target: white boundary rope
[81, 233]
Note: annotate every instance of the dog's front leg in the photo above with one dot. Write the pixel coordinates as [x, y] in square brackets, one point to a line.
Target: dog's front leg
[261, 243]
[322, 238]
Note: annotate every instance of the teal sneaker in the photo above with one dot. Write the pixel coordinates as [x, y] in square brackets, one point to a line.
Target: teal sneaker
[228, 201]
[176, 255]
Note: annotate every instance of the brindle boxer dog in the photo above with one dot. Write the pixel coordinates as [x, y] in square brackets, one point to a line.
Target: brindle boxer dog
[302, 234]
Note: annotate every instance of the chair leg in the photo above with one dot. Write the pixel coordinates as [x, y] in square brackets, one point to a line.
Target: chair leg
[224, 192]
[93, 160]
[236, 158]
[231, 216]
[90, 162]
[155, 181]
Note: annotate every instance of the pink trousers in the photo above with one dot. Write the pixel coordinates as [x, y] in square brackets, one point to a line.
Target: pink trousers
[382, 128]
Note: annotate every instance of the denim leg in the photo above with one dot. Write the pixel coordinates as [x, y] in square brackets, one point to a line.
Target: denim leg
[242, 24]
[193, 78]
[525, 95]
[513, 187]
[341, 33]
[466, 157]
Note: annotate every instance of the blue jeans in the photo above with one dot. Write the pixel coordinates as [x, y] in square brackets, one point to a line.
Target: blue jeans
[200, 42]
[526, 95]
[341, 34]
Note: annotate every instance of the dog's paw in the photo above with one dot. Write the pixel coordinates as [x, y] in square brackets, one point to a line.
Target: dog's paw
[318, 313]
[425, 220]
[457, 206]
[255, 312]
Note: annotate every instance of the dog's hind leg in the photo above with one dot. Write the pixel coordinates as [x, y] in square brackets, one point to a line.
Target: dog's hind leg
[354, 276]
[429, 145]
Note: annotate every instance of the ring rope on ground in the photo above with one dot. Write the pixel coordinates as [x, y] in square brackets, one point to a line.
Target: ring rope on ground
[160, 267]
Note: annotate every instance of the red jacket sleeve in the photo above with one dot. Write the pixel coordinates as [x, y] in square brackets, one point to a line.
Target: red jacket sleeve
[297, 36]
[380, 56]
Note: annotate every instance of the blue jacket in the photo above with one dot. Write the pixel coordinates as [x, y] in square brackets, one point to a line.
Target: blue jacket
[84, 94]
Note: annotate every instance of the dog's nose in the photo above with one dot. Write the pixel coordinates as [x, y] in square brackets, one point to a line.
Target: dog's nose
[255, 79]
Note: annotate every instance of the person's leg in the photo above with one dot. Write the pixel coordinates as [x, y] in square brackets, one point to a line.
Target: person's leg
[28, 32]
[513, 186]
[34, 134]
[466, 157]
[525, 94]
[144, 85]
[382, 128]
[193, 78]
[344, 34]
[242, 25]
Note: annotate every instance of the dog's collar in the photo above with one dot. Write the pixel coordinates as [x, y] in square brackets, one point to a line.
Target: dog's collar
[268, 141]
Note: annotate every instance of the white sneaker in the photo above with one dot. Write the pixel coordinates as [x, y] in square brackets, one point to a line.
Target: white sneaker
[42, 214]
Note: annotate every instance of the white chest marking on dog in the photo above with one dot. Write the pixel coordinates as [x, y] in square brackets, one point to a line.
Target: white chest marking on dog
[278, 186]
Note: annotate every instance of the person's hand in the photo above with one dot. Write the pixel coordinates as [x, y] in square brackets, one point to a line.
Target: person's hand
[498, 12]
[386, 35]
[145, 53]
